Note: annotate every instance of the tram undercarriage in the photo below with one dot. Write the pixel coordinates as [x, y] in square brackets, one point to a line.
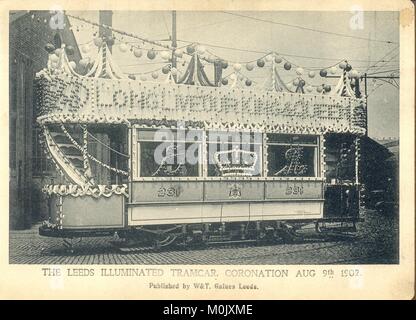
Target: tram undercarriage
[208, 234]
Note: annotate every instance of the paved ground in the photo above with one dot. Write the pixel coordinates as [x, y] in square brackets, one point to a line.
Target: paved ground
[375, 242]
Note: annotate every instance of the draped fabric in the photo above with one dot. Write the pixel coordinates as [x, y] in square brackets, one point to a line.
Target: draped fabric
[299, 88]
[187, 77]
[103, 67]
[217, 72]
[195, 74]
[279, 84]
[202, 76]
[274, 82]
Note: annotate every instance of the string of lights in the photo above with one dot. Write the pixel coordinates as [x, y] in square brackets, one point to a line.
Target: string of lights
[264, 53]
[207, 56]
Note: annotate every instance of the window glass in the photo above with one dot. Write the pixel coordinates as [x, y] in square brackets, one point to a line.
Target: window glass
[166, 154]
[234, 154]
[292, 156]
[291, 161]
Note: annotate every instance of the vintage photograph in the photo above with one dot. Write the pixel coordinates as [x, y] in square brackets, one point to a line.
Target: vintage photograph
[204, 137]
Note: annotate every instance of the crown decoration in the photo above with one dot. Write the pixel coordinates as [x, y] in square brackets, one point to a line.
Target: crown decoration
[243, 162]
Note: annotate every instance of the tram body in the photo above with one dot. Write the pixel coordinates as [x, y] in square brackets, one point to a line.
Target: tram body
[265, 159]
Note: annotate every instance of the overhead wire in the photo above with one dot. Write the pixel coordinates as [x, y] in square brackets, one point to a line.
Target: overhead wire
[384, 71]
[225, 47]
[386, 81]
[382, 59]
[306, 28]
[379, 67]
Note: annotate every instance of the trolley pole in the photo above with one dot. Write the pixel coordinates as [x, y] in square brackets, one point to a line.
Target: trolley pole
[174, 44]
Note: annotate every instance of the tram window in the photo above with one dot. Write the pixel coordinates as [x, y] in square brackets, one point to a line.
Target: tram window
[169, 153]
[234, 154]
[292, 156]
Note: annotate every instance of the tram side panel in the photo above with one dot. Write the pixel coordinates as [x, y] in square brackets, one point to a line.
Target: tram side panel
[224, 201]
[87, 212]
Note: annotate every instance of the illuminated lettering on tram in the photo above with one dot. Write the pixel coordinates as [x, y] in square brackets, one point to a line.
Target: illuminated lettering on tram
[294, 157]
[79, 95]
[73, 95]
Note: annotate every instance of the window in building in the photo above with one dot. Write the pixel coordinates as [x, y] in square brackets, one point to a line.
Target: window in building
[292, 155]
[166, 153]
[234, 154]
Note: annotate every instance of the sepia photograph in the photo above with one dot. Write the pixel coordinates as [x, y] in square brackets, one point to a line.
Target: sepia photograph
[174, 139]
[205, 137]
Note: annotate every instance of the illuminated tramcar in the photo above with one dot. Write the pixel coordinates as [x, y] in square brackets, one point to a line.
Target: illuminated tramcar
[264, 161]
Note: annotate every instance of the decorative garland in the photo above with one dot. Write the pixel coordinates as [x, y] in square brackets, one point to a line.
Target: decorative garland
[86, 163]
[206, 125]
[87, 155]
[96, 191]
[194, 47]
[196, 52]
[71, 171]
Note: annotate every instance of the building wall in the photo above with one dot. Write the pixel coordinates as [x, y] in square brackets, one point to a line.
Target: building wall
[28, 35]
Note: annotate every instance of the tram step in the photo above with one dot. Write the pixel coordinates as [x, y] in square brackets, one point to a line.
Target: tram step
[74, 157]
[134, 249]
[338, 227]
[227, 242]
[66, 145]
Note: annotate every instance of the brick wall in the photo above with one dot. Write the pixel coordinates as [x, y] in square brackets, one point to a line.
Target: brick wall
[28, 34]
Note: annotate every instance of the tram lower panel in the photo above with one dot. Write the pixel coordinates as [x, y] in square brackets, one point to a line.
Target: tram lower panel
[223, 212]
[264, 201]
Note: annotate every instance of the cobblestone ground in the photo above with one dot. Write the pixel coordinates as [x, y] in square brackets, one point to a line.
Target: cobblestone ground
[376, 242]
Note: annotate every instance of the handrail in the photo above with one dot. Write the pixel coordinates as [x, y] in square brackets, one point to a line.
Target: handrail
[104, 145]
